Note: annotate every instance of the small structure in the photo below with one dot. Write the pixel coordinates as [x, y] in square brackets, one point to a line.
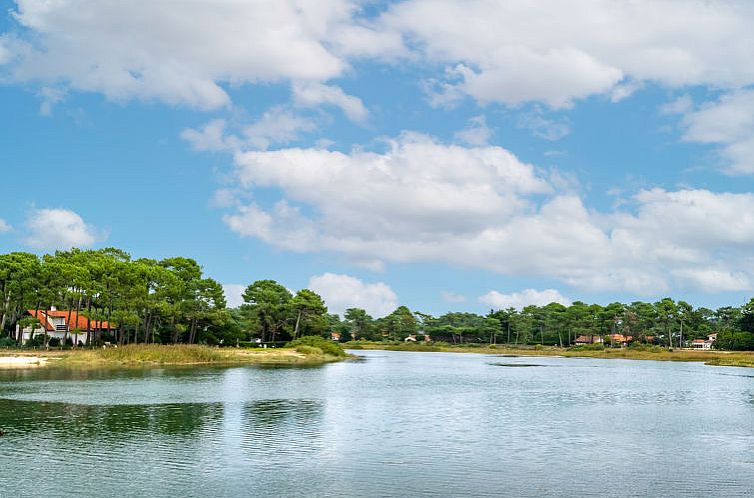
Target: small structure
[410, 338]
[619, 340]
[700, 344]
[55, 324]
[588, 339]
[704, 344]
[335, 336]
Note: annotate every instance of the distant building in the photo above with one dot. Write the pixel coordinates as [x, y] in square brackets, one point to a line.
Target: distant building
[700, 344]
[335, 336]
[410, 338]
[56, 325]
[704, 344]
[619, 339]
[588, 339]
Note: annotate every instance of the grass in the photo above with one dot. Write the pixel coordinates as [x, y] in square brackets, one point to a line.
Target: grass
[717, 358]
[184, 354]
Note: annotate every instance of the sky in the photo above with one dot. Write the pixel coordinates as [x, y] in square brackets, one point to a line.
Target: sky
[440, 154]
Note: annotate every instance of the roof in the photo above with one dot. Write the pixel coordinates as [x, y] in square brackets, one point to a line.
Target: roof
[698, 341]
[78, 321]
[588, 339]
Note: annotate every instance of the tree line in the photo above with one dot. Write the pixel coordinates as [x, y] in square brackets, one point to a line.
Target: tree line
[171, 301]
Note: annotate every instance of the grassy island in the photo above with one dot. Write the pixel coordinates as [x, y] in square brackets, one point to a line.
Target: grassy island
[657, 353]
[150, 355]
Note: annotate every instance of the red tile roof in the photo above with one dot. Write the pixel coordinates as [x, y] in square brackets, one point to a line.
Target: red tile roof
[77, 321]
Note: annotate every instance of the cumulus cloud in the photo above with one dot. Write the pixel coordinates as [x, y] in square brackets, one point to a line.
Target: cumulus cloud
[526, 297]
[181, 52]
[727, 123]
[311, 94]
[559, 51]
[476, 133]
[59, 229]
[543, 127]
[276, 126]
[551, 51]
[4, 226]
[452, 297]
[341, 292]
[234, 294]
[425, 201]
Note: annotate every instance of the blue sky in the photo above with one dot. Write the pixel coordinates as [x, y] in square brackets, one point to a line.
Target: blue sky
[445, 155]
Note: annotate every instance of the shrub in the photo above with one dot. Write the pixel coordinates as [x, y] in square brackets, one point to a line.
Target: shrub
[303, 349]
[588, 347]
[327, 347]
[7, 342]
[649, 348]
[53, 342]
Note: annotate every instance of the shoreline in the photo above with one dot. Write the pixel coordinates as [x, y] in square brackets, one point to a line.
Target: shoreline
[158, 355]
[709, 357]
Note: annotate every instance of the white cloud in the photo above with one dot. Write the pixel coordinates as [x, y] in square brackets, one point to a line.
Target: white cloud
[59, 229]
[542, 127]
[728, 123]
[558, 51]
[452, 297]
[277, 125]
[311, 94]
[519, 300]
[341, 292]
[5, 54]
[181, 52]
[211, 137]
[423, 201]
[4, 226]
[234, 294]
[680, 105]
[476, 133]
[50, 97]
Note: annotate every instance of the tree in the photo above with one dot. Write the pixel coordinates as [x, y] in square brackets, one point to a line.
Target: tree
[359, 323]
[310, 310]
[268, 304]
[667, 314]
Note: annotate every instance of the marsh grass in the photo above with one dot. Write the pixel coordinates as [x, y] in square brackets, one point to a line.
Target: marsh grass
[657, 353]
[184, 354]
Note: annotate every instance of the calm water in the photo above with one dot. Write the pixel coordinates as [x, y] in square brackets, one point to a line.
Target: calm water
[397, 424]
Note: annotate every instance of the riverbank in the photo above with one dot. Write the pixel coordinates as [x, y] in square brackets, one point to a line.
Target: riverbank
[716, 358]
[146, 355]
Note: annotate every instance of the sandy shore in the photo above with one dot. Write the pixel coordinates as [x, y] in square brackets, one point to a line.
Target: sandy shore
[22, 361]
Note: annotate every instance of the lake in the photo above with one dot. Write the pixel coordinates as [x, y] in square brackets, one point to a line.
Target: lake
[395, 424]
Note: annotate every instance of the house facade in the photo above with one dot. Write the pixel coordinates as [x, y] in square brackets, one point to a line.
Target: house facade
[704, 344]
[588, 339]
[55, 323]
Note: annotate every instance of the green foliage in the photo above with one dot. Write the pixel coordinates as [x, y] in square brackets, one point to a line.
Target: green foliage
[308, 350]
[735, 340]
[7, 342]
[588, 347]
[327, 346]
[649, 348]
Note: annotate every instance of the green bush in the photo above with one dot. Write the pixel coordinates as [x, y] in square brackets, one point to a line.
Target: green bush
[649, 348]
[734, 340]
[308, 350]
[588, 347]
[7, 342]
[327, 347]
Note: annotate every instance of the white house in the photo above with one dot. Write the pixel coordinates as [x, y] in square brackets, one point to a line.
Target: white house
[56, 324]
